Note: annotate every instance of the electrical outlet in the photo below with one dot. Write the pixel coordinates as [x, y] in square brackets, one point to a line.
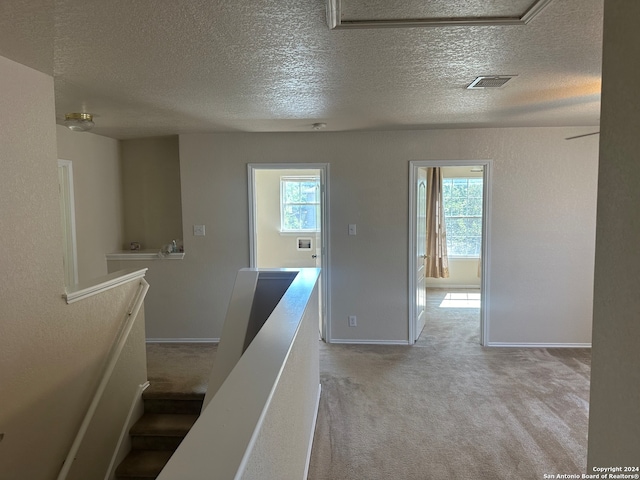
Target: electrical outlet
[353, 321]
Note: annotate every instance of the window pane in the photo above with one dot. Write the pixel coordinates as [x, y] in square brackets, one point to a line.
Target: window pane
[309, 192]
[447, 185]
[307, 217]
[291, 217]
[299, 203]
[463, 215]
[475, 187]
[287, 192]
[475, 207]
[459, 188]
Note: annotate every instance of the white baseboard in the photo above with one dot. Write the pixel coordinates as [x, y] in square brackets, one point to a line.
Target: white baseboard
[183, 340]
[313, 431]
[538, 345]
[124, 442]
[368, 342]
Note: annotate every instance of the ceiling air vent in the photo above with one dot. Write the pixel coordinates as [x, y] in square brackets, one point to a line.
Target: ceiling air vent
[494, 81]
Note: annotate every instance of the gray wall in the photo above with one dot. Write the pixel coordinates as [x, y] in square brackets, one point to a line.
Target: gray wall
[542, 226]
[151, 191]
[97, 180]
[614, 421]
[51, 353]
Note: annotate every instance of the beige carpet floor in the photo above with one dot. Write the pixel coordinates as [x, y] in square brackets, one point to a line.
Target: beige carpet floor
[178, 368]
[447, 408]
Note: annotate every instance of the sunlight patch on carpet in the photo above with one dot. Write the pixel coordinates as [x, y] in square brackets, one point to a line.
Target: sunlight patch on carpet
[461, 300]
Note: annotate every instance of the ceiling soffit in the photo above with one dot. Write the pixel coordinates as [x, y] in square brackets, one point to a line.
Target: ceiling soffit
[343, 14]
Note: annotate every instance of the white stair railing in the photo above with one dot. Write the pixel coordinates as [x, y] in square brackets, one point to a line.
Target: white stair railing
[114, 355]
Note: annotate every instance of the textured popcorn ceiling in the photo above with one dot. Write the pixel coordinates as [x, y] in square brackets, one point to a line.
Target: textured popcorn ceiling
[148, 68]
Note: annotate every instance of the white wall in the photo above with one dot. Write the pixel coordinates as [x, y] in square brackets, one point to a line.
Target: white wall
[463, 273]
[50, 353]
[542, 228]
[614, 413]
[97, 181]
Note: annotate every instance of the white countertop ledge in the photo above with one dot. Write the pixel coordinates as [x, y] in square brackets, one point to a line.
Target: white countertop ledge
[143, 255]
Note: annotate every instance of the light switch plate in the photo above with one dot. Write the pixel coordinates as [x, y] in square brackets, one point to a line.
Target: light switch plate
[352, 229]
[198, 230]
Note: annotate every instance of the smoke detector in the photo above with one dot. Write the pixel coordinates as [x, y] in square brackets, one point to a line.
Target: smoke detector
[491, 81]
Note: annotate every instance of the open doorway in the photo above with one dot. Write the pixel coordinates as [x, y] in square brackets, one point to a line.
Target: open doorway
[288, 222]
[462, 287]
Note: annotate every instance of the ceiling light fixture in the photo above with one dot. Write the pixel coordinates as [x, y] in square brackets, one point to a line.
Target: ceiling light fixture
[79, 122]
[319, 126]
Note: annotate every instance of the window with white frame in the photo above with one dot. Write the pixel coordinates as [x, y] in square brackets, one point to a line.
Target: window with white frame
[462, 199]
[300, 203]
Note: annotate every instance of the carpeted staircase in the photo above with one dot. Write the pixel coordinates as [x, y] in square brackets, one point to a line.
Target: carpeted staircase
[167, 419]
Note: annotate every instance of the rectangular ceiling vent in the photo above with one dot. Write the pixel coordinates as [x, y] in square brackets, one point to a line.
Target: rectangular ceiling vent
[493, 81]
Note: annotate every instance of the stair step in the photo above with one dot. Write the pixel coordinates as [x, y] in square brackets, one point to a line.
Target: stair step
[168, 417]
[160, 431]
[142, 464]
[178, 404]
[164, 424]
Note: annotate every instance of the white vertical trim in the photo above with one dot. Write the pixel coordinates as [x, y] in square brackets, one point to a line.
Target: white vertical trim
[413, 250]
[313, 431]
[486, 254]
[67, 205]
[486, 240]
[253, 229]
[325, 278]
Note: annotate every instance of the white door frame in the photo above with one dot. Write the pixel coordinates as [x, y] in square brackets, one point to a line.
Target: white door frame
[325, 278]
[68, 220]
[486, 239]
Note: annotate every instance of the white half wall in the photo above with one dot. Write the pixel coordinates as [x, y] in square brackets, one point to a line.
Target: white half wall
[542, 230]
